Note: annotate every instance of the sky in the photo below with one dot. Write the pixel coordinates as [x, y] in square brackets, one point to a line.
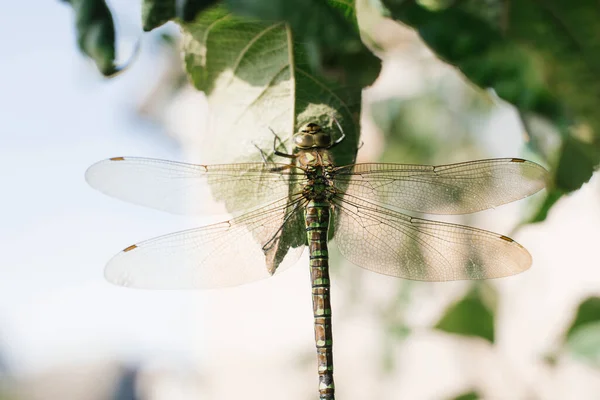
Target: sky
[57, 117]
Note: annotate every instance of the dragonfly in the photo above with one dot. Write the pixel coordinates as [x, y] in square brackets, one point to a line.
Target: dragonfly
[281, 208]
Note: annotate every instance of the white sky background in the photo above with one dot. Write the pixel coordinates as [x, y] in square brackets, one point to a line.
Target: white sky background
[57, 117]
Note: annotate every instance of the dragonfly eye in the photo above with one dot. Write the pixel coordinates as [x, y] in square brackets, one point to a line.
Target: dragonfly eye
[304, 141]
[322, 139]
[311, 128]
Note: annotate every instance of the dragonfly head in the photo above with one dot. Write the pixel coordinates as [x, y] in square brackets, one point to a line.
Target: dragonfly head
[311, 136]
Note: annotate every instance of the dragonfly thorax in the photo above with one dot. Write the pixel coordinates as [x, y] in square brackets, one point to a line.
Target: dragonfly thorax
[311, 136]
[319, 186]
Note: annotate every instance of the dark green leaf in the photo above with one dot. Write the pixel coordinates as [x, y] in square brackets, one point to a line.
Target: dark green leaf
[191, 8]
[96, 33]
[576, 164]
[566, 37]
[482, 53]
[472, 315]
[156, 13]
[543, 57]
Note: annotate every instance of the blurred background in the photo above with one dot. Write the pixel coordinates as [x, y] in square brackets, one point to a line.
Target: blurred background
[65, 333]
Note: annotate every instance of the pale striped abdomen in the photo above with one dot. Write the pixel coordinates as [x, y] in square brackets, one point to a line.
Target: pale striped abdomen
[317, 224]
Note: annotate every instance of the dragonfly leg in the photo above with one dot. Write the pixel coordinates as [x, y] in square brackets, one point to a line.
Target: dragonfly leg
[263, 155]
[280, 154]
[275, 146]
[341, 130]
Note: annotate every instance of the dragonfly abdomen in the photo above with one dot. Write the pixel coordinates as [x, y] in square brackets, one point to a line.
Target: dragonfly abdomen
[317, 225]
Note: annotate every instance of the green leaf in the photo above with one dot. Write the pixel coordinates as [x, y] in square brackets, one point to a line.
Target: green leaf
[582, 339]
[473, 315]
[481, 52]
[543, 57]
[156, 13]
[551, 198]
[191, 8]
[327, 31]
[258, 77]
[576, 164]
[584, 343]
[588, 312]
[472, 395]
[96, 33]
[566, 37]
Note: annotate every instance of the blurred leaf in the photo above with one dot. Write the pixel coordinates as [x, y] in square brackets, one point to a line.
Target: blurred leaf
[542, 136]
[415, 128]
[96, 33]
[550, 358]
[481, 52]
[388, 360]
[400, 331]
[566, 37]
[191, 8]
[588, 312]
[543, 57]
[576, 164]
[409, 137]
[584, 343]
[473, 315]
[393, 314]
[544, 140]
[395, 328]
[551, 198]
[582, 339]
[472, 395]
[156, 13]
[257, 77]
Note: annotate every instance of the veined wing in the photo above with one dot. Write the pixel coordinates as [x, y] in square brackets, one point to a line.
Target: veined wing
[391, 243]
[182, 188]
[444, 189]
[244, 249]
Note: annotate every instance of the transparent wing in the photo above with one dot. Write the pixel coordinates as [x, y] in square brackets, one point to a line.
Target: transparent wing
[445, 189]
[245, 249]
[182, 188]
[391, 243]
